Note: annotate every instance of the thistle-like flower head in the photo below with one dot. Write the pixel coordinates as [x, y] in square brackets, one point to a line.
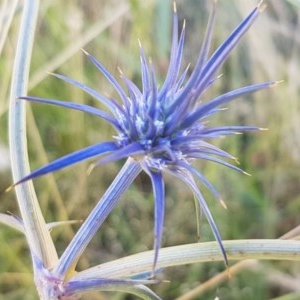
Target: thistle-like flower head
[164, 128]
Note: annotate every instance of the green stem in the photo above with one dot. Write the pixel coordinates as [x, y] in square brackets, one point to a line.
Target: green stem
[37, 234]
[195, 253]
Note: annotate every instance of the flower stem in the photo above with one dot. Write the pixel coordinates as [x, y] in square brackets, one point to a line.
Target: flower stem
[195, 253]
[37, 234]
[88, 229]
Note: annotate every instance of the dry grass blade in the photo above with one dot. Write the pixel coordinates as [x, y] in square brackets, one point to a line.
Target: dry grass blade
[79, 43]
[7, 11]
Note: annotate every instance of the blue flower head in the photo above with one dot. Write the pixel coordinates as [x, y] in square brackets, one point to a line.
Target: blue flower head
[164, 128]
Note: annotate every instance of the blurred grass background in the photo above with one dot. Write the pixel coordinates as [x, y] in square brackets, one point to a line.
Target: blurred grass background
[265, 205]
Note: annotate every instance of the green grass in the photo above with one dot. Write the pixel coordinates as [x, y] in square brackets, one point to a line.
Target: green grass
[265, 205]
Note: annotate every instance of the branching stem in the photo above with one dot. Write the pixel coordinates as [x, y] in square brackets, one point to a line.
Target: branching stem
[37, 234]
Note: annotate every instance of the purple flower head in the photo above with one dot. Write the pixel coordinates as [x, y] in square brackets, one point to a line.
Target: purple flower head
[164, 128]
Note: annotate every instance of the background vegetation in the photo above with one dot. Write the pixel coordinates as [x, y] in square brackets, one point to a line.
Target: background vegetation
[265, 205]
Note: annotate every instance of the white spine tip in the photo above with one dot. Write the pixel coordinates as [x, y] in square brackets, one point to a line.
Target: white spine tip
[263, 129]
[8, 189]
[90, 169]
[120, 71]
[236, 161]
[261, 6]
[223, 204]
[278, 82]
[140, 44]
[84, 51]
